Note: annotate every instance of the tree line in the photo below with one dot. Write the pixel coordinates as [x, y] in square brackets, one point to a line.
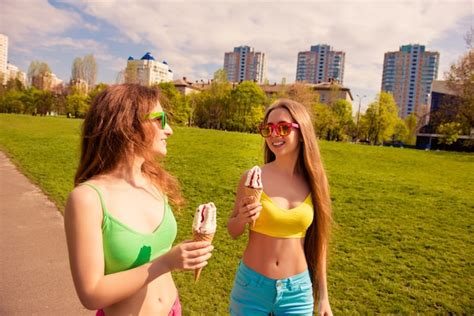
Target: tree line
[225, 106]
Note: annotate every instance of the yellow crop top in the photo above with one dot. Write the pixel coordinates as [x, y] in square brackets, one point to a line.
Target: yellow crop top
[275, 221]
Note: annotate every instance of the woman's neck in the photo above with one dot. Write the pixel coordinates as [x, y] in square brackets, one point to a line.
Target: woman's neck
[287, 164]
[131, 172]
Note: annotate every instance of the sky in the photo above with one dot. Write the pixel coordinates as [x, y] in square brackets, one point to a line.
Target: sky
[192, 36]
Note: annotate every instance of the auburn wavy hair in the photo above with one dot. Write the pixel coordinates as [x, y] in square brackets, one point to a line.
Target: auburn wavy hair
[115, 129]
[310, 164]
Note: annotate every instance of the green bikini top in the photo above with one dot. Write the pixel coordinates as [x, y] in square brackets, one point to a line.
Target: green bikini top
[125, 248]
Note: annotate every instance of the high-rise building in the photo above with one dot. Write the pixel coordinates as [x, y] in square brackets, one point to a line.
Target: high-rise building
[244, 64]
[8, 71]
[147, 71]
[408, 74]
[3, 57]
[14, 73]
[320, 64]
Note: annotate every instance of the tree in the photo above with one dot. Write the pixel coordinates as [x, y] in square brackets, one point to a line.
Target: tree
[11, 102]
[97, 89]
[220, 76]
[60, 103]
[334, 93]
[38, 68]
[301, 93]
[325, 120]
[84, 70]
[411, 129]
[174, 103]
[450, 132]
[77, 105]
[210, 106]
[44, 101]
[400, 132]
[380, 118]
[77, 71]
[14, 84]
[246, 110]
[28, 98]
[458, 105]
[460, 79]
[342, 111]
[3, 89]
[90, 70]
[39, 74]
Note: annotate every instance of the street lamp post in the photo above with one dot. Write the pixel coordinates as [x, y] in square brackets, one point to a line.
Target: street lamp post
[358, 113]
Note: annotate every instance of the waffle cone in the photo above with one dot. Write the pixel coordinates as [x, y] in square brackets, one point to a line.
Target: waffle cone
[257, 193]
[201, 237]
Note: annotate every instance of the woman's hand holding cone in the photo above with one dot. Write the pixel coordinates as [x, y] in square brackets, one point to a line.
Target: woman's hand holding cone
[249, 209]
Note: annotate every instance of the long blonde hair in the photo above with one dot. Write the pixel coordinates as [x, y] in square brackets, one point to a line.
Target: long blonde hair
[310, 164]
[115, 129]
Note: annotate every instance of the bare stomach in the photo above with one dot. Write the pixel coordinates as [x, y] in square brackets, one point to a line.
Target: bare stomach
[156, 298]
[276, 258]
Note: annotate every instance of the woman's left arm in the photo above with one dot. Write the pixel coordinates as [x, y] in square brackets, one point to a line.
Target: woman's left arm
[324, 308]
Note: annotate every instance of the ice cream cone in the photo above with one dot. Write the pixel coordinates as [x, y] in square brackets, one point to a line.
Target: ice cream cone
[200, 237]
[204, 227]
[257, 193]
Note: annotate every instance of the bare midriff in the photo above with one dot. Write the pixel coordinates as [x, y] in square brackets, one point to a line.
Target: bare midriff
[157, 298]
[275, 258]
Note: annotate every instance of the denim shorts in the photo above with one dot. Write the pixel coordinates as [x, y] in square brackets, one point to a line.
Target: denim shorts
[256, 294]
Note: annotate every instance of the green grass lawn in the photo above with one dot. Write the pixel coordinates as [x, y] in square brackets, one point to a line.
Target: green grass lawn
[404, 219]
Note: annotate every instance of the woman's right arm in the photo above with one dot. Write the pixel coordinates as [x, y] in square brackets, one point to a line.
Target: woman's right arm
[83, 221]
[246, 210]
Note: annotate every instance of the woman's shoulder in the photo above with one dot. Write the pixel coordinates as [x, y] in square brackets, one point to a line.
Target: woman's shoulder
[85, 194]
[83, 209]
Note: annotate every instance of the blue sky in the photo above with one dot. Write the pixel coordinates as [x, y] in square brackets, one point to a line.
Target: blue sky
[192, 36]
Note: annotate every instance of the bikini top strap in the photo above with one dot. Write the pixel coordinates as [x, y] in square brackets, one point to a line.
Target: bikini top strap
[96, 189]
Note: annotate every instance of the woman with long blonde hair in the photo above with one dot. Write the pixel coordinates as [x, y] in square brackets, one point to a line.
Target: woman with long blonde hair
[283, 269]
[119, 224]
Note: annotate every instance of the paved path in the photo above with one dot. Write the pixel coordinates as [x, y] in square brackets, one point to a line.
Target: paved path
[34, 267]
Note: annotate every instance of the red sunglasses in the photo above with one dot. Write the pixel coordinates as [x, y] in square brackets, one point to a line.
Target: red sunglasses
[281, 129]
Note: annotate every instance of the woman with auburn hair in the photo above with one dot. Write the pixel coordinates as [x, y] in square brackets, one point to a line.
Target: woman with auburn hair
[283, 268]
[118, 220]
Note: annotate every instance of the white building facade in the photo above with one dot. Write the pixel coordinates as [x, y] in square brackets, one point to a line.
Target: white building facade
[8, 71]
[3, 57]
[14, 73]
[147, 71]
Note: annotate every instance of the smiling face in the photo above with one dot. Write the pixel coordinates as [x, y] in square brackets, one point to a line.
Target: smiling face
[161, 134]
[283, 145]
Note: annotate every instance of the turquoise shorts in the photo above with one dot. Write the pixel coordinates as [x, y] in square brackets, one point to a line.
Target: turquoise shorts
[256, 294]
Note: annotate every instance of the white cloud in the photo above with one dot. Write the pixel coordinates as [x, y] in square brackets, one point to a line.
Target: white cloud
[191, 35]
[38, 30]
[27, 23]
[68, 42]
[113, 62]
